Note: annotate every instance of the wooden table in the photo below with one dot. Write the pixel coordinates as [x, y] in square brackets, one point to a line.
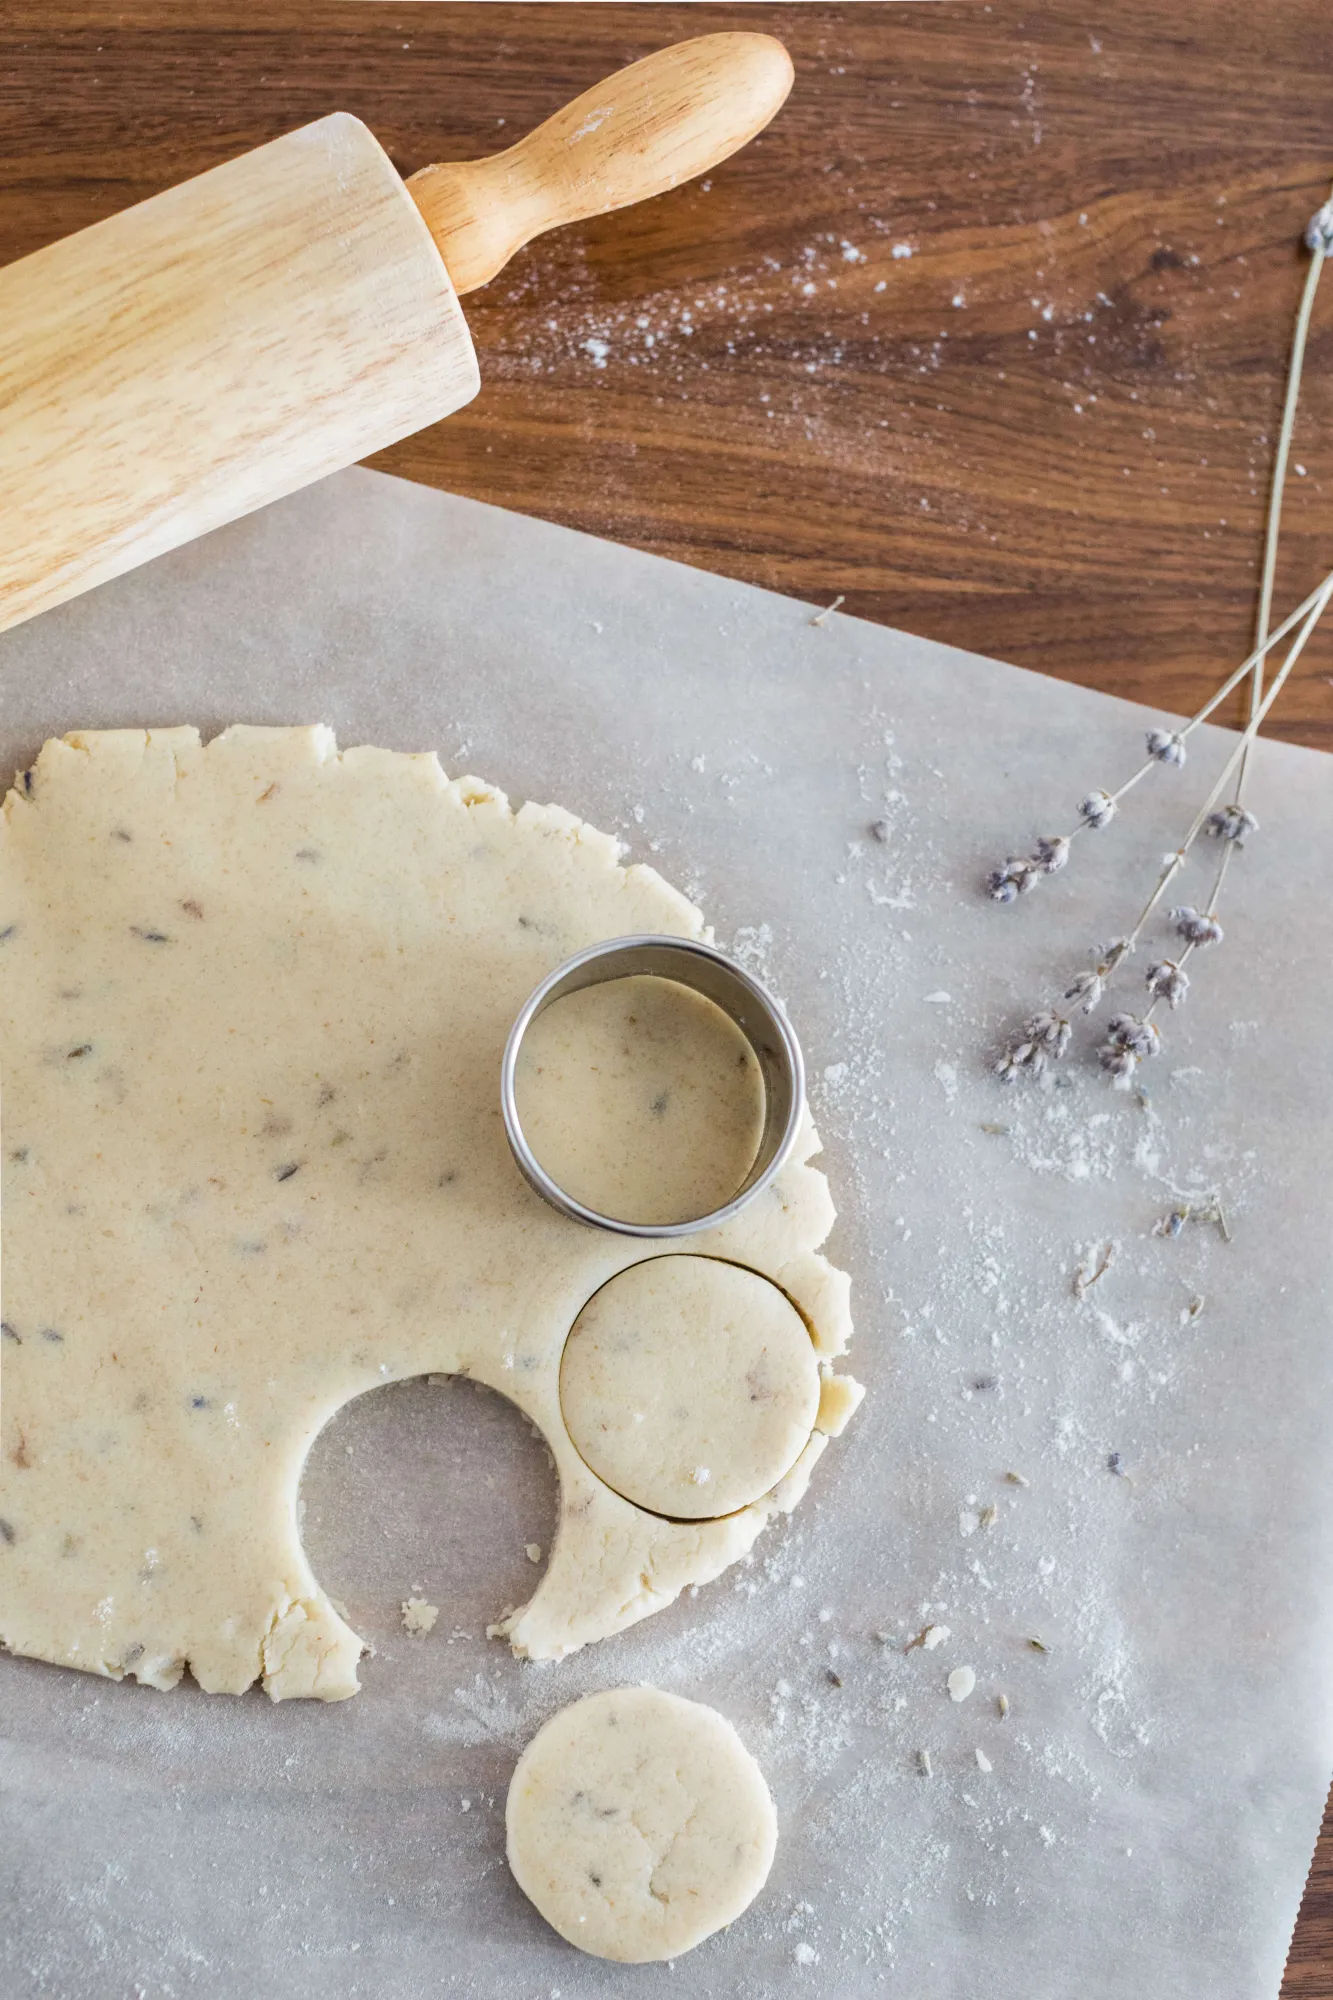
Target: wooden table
[987, 335]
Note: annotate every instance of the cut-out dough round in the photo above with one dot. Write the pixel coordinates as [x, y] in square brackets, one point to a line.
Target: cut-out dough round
[638, 1824]
[690, 1386]
[642, 1099]
[253, 999]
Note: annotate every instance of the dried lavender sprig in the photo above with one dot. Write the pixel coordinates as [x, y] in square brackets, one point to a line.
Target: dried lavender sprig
[1021, 873]
[1176, 861]
[1129, 1039]
[1045, 1036]
[1319, 242]
[1197, 927]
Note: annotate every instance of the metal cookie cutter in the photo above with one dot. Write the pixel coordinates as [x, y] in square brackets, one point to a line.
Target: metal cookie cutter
[740, 996]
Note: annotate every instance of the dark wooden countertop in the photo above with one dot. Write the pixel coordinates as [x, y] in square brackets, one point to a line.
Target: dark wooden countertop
[987, 334]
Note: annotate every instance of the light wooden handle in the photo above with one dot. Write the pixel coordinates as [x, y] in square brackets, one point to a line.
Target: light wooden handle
[636, 134]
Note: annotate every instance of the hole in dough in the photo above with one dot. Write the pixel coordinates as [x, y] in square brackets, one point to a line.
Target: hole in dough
[432, 1488]
[642, 1099]
[689, 1385]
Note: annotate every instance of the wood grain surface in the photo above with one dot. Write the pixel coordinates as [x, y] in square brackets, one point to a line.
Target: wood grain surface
[987, 333]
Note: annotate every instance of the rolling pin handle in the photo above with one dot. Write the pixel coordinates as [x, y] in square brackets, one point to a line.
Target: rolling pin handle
[638, 133]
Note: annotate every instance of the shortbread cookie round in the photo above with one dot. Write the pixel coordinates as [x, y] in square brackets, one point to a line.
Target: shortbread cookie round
[690, 1385]
[638, 1824]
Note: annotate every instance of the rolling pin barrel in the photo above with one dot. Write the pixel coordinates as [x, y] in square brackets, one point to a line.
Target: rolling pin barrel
[211, 350]
[296, 309]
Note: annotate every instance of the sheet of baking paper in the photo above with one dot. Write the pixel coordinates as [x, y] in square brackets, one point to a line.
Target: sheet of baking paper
[1147, 1808]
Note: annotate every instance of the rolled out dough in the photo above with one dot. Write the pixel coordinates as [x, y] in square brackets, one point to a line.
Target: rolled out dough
[638, 1823]
[689, 1385]
[253, 999]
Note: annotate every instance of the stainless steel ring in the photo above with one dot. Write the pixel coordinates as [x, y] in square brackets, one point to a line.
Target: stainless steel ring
[740, 996]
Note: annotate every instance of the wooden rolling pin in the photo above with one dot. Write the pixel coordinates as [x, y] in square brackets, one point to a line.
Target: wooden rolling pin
[230, 340]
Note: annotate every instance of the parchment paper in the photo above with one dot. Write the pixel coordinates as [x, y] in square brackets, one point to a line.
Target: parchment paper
[1155, 1789]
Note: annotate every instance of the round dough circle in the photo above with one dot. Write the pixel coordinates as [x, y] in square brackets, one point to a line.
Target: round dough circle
[638, 1824]
[689, 1385]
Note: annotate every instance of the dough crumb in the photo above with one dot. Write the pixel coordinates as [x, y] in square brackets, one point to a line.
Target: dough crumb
[961, 1683]
[935, 1635]
[418, 1616]
[839, 1398]
[983, 1761]
[533, 1551]
[805, 1954]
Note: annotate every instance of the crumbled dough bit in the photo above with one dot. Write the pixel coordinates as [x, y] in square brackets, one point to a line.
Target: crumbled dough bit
[983, 1761]
[639, 1824]
[533, 1551]
[935, 1635]
[418, 1616]
[839, 1399]
[961, 1683]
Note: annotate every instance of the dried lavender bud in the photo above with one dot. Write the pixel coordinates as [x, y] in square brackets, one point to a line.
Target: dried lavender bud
[1119, 1064]
[1194, 927]
[1052, 853]
[1167, 981]
[1126, 1031]
[1319, 230]
[1166, 747]
[1172, 1224]
[1015, 879]
[1097, 810]
[1022, 1056]
[1044, 1039]
[880, 830]
[1050, 1032]
[1231, 823]
[1087, 989]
